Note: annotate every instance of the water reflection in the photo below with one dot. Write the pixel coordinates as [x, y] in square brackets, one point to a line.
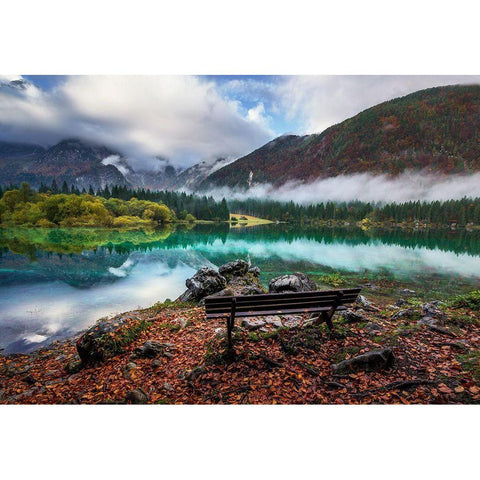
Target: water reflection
[56, 282]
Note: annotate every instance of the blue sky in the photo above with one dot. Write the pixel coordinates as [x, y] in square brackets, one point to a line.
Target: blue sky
[188, 119]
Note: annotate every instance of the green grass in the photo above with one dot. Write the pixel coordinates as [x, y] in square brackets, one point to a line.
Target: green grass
[113, 344]
[471, 363]
[334, 279]
[469, 300]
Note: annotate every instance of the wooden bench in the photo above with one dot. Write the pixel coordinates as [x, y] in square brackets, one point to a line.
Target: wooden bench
[325, 303]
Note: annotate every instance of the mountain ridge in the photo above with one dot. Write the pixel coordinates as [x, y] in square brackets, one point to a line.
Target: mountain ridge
[434, 130]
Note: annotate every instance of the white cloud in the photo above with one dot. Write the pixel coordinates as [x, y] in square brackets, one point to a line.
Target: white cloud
[258, 115]
[324, 100]
[182, 118]
[364, 187]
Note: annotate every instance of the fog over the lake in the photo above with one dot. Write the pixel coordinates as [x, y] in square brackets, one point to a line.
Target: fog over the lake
[364, 187]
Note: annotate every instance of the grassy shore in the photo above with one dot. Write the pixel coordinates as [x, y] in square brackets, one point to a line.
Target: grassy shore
[238, 220]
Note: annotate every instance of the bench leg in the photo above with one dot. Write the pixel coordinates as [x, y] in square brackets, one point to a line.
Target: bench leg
[230, 324]
[327, 318]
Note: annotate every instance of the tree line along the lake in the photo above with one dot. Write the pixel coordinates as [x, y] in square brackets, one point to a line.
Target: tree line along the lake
[119, 206]
[460, 212]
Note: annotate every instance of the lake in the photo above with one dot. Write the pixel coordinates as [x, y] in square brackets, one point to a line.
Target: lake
[56, 282]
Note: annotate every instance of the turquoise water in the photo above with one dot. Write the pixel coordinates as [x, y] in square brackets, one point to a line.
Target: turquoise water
[54, 283]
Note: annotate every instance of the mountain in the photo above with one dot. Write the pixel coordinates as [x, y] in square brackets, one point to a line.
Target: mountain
[78, 163]
[192, 177]
[435, 130]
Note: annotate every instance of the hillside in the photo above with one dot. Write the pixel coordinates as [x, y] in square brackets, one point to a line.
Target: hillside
[76, 162]
[436, 130]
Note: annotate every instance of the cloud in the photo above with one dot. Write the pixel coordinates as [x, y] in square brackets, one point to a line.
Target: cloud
[258, 115]
[322, 101]
[364, 187]
[182, 118]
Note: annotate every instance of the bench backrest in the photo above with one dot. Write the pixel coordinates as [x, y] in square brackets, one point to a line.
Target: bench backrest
[272, 303]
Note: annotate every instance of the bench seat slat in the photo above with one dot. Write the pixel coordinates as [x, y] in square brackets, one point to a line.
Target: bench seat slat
[325, 293]
[265, 301]
[273, 306]
[273, 312]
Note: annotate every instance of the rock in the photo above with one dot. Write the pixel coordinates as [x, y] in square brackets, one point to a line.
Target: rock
[252, 290]
[156, 363]
[195, 373]
[401, 302]
[220, 333]
[430, 310]
[429, 321]
[402, 314]
[130, 366]
[295, 282]
[351, 316]
[255, 271]
[237, 268]
[182, 322]
[373, 328]
[167, 386]
[206, 281]
[96, 344]
[407, 291]
[252, 324]
[292, 321]
[371, 286]
[137, 396]
[150, 349]
[226, 292]
[374, 360]
[362, 301]
[275, 321]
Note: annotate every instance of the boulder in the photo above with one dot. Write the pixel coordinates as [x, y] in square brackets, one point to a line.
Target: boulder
[151, 349]
[252, 290]
[295, 282]
[431, 310]
[252, 323]
[351, 316]
[137, 396]
[233, 278]
[407, 291]
[99, 342]
[374, 360]
[195, 372]
[237, 268]
[206, 281]
[255, 271]
[363, 302]
[401, 302]
[402, 314]
[373, 328]
[429, 321]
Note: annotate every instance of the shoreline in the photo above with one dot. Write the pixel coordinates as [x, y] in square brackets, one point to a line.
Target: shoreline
[189, 367]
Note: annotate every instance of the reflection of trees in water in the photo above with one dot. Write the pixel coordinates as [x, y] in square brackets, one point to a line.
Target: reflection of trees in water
[75, 241]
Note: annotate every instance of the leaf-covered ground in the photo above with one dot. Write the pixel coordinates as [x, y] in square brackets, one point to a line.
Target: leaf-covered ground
[285, 366]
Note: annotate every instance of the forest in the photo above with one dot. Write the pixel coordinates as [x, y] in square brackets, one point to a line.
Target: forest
[201, 207]
[123, 207]
[110, 207]
[461, 212]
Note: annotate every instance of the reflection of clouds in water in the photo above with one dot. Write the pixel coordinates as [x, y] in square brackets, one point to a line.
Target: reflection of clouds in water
[373, 256]
[121, 271]
[38, 311]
